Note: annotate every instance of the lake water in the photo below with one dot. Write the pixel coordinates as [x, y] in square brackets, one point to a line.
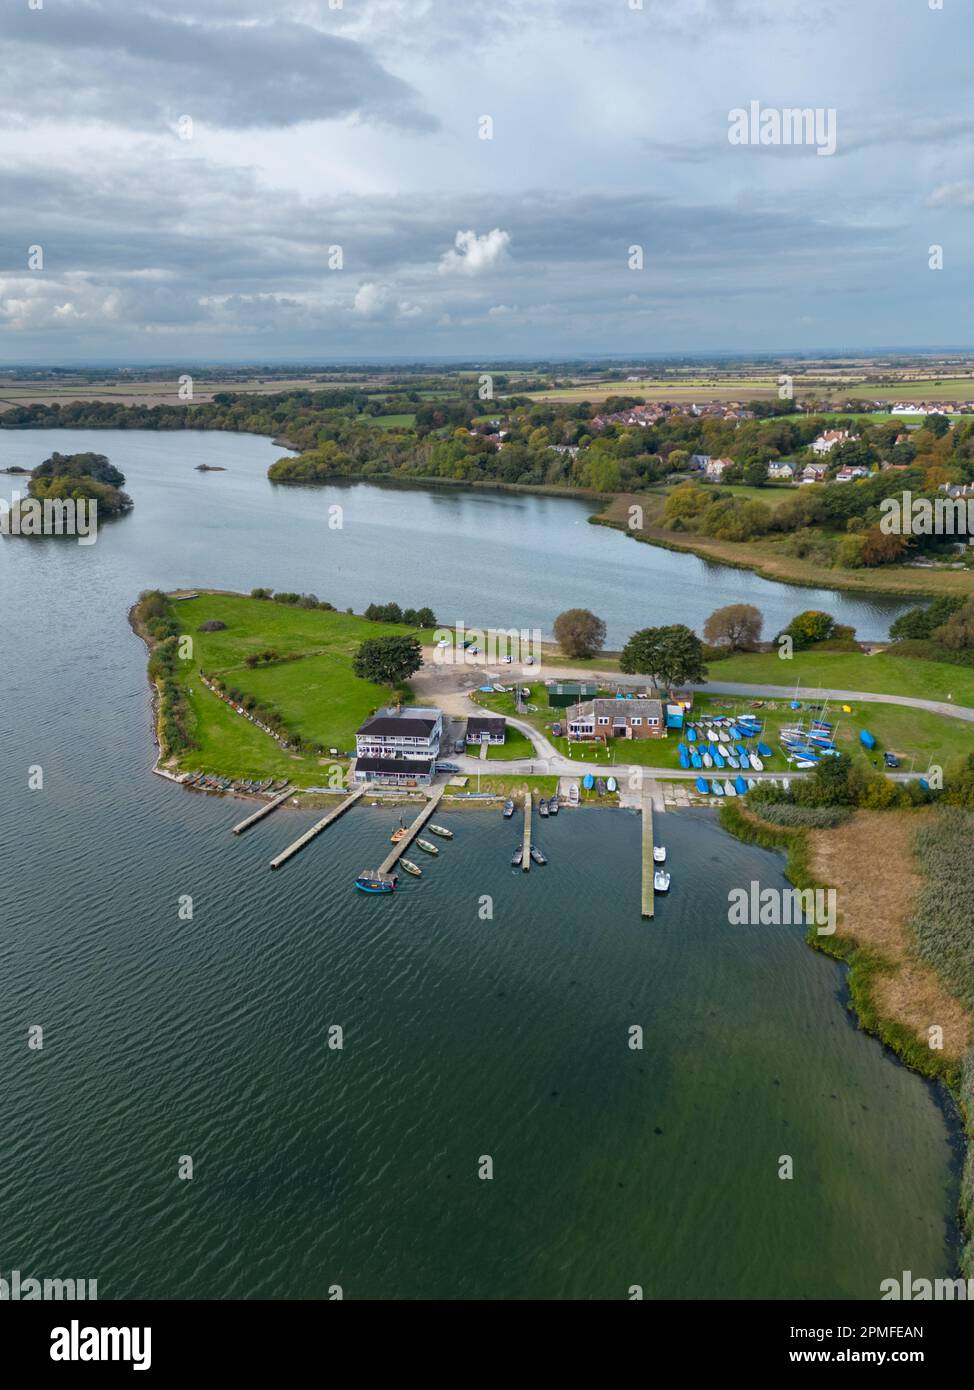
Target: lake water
[463, 1037]
[486, 558]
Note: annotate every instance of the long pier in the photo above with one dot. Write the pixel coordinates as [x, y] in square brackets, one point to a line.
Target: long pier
[263, 811]
[648, 866]
[309, 835]
[526, 843]
[398, 850]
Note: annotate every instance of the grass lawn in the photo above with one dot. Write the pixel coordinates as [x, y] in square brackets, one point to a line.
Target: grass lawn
[882, 674]
[318, 694]
[505, 785]
[516, 745]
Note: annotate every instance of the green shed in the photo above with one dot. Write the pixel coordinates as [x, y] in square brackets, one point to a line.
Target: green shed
[563, 694]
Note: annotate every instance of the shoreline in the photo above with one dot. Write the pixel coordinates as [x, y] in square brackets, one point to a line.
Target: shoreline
[862, 965]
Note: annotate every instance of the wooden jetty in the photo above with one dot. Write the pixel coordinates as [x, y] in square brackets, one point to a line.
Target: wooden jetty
[526, 845]
[398, 850]
[649, 867]
[309, 835]
[263, 811]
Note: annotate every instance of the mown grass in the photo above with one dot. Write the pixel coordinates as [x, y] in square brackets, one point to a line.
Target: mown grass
[318, 694]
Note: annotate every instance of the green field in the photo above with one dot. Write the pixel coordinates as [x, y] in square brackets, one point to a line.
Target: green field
[318, 694]
[390, 422]
[881, 674]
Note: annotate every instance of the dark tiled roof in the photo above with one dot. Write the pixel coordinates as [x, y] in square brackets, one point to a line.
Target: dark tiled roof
[406, 727]
[479, 724]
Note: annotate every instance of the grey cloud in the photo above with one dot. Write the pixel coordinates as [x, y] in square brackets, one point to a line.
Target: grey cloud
[106, 60]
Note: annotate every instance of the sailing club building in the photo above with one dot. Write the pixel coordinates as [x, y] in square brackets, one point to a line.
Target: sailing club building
[398, 747]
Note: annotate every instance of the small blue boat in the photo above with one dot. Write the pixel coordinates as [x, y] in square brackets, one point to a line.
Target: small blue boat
[588, 781]
[684, 756]
[733, 762]
[717, 788]
[691, 733]
[765, 751]
[371, 881]
[718, 760]
[702, 786]
[695, 759]
[740, 786]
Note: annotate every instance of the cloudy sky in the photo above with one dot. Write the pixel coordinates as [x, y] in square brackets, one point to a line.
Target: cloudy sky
[188, 171]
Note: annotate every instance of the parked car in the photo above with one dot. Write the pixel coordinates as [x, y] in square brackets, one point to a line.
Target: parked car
[891, 760]
[447, 767]
[458, 745]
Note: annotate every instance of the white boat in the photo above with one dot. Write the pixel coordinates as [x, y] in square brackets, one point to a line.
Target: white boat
[574, 796]
[707, 760]
[729, 788]
[806, 763]
[659, 854]
[755, 762]
[724, 751]
[661, 881]
[611, 784]
[712, 734]
[751, 783]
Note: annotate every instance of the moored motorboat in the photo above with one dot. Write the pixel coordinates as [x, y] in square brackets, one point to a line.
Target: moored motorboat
[659, 854]
[537, 856]
[427, 846]
[440, 830]
[411, 868]
[661, 881]
[516, 856]
[508, 809]
[542, 807]
[553, 804]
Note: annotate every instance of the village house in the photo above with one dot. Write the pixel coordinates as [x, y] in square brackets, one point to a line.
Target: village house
[716, 468]
[826, 442]
[698, 462]
[815, 473]
[398, 747]
[783, 469]
[849, 475]
[603, 719]
[486, 729]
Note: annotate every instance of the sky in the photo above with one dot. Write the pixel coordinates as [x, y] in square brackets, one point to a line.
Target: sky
[316, 180]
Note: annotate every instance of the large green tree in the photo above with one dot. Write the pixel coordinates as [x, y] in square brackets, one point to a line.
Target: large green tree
[388, 660]
[671, 655]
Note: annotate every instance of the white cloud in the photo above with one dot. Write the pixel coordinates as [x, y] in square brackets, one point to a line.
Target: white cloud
[953, 195]
[499, 310]
[371, 299]
[474, 254]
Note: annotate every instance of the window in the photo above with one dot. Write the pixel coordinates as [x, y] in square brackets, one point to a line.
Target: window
[603, 719]
[652, 721]
[637, 723]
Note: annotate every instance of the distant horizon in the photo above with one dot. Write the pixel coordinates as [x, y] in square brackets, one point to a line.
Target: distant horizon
[564, 359]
